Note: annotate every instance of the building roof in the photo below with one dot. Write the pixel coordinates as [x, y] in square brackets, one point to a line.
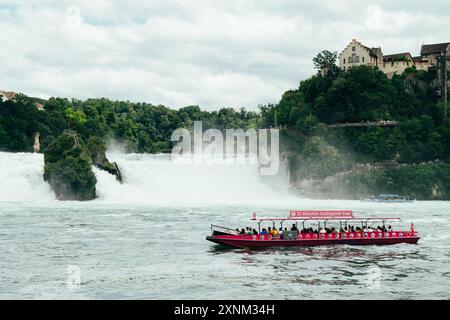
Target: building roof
[372, 51]
[9, 95]
[395, 56]
[375, 52]
[434, 48]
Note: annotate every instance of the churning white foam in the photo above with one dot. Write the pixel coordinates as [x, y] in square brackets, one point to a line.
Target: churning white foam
[156, 179]
[21, 178]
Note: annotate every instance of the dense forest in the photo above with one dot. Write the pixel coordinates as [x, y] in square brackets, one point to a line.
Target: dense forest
[142, 127]
[365, 94]
[416, 147]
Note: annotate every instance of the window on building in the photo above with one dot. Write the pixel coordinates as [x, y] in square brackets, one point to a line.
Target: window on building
[353, 48]
[355, 59]
[344, 61]
[362, 59]
[350, 60]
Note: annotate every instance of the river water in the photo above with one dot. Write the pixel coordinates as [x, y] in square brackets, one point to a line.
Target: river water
[153, 246]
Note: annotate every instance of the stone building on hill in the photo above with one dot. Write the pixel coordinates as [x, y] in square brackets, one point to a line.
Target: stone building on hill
[355, 54]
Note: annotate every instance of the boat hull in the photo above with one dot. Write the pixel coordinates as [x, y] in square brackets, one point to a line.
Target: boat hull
[250, 243]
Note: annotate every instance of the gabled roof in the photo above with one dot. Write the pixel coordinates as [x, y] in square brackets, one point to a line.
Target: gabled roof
[434, 48]
[372, 51]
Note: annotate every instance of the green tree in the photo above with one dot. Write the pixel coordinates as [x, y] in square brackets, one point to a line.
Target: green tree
[76, 117]
[325, 59]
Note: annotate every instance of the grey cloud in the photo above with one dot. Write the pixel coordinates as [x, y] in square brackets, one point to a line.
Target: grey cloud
[214, 54]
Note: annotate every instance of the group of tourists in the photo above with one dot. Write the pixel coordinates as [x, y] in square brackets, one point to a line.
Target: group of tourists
[348, 229]
[279, 232]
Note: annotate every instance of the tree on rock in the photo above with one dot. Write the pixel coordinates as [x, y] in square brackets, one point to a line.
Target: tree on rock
[74, 117]
[68, 168]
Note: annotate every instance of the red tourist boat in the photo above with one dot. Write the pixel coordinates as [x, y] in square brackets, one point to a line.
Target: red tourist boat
[364, 235]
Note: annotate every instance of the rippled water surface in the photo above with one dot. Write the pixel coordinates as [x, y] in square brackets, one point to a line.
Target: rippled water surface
[146, 252]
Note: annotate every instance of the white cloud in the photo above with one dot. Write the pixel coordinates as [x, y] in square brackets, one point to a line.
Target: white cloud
[214, 54]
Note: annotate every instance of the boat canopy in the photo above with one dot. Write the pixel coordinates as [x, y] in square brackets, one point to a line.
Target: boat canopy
[324, 215]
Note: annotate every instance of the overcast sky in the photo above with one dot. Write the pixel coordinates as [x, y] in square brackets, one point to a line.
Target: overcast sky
[212, 53]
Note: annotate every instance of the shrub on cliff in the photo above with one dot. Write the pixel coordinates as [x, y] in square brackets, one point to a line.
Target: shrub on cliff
[68, 169]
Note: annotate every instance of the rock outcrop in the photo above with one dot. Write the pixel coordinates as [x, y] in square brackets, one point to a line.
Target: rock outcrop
[68, 168]
[97, 150]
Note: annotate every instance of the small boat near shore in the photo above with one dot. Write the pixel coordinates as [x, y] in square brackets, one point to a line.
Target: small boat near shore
[364, 234]
[389, 198]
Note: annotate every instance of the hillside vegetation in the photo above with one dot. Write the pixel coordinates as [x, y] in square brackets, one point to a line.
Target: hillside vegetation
[374, 158]
[401, 158]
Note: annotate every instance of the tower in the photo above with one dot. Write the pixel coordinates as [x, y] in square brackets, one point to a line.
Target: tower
[37, 144]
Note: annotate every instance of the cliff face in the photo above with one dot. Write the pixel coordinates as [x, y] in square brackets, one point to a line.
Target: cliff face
[97, 150]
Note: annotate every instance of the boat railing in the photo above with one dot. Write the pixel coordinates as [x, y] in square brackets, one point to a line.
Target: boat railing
[358, 235]
[223, 229]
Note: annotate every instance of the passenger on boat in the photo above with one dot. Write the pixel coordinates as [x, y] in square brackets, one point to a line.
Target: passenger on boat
[249, 231]
[264, 232]
[275, 232]
[270, 231]
[242, 232]
[255, 232]
[322, 231]
[294, 228]
[389, 229]
[280, 232]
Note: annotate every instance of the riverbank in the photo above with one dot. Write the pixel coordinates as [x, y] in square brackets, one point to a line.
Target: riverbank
[426, 181]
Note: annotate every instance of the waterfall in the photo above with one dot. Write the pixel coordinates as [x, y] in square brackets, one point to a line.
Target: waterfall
[156, 179]
[148, 179]
[21, 178]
